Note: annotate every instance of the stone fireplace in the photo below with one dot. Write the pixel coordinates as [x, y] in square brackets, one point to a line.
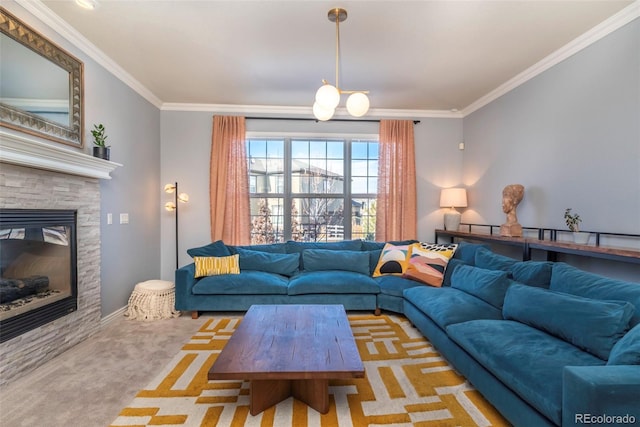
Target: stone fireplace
[38, 274]
[40, 176]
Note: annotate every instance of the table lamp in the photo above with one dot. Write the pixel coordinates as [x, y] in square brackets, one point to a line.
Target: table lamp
[453, 198]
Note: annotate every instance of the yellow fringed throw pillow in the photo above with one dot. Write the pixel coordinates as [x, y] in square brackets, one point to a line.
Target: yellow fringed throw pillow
[213, 266]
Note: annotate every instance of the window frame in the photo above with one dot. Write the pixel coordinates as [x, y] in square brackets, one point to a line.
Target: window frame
[287, 196]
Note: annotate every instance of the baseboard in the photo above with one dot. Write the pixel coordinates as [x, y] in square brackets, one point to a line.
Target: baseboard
[112, 317]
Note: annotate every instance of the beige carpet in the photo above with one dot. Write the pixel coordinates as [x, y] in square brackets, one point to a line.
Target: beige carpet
[407, 383]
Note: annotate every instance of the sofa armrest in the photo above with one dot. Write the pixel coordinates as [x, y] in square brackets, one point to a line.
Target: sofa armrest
[185, 279]
[601, 395]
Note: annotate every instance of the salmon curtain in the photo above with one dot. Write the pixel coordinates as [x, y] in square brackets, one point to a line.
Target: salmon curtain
[229, 182]
[396, 206]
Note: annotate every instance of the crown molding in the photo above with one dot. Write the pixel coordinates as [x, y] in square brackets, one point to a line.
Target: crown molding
[304, 111]
[60, 26]
[598, 32]
[46, 15]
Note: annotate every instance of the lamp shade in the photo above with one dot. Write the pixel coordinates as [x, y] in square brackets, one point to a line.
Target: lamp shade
[328, 96]
[453, 198]
[321, 113]
[358, 104]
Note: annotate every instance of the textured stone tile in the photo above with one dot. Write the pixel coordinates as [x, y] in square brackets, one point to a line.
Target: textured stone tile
[28, 188]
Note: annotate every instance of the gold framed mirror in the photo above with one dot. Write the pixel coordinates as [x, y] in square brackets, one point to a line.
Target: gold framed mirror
[41, 85]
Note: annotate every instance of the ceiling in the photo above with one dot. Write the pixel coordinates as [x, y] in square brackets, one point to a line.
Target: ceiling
[410, 55]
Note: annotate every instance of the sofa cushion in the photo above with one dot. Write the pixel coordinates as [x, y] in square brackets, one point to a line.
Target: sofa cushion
[533, 273]
[488, 285]
[271, 262]
[592, 325]
[246, 283]
[428, 261]
[394, 285]
[293, 247]
[213, 265]
[368, 245]
[446, 306]
[627, 350]
[217, 248]
[451, 267]
[489, 260]
[374, 256]
[325, 259]
[530, 361]
[277, 248]
[568, 279]
[332, 282]
[393, 260]
[467, 252]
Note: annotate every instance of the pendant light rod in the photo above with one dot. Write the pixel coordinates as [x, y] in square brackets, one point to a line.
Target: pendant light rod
[328, 96]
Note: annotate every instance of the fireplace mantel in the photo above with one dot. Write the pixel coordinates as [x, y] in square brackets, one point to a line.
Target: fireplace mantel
[26, 151]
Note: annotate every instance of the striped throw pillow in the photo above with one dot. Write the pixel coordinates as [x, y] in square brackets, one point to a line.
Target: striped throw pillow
[213, 266]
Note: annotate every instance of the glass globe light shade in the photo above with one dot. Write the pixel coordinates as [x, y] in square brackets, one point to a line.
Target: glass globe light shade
[183, 197]
[170, 206]
[323, 114]
[328, 96]
[170, 188]
[358, 104]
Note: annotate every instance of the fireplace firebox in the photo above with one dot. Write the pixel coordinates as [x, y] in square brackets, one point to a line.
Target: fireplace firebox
[38, 268]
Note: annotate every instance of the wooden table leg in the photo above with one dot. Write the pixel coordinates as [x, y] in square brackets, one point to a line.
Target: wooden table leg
[266, 393]
[314, 393]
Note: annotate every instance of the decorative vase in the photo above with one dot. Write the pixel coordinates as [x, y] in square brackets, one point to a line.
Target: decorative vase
[101, 152]
[581, 237]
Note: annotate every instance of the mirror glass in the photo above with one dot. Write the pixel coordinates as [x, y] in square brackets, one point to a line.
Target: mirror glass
[32, 83]
[41, 85]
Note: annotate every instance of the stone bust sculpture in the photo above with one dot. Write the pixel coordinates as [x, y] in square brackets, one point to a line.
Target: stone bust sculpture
[511, 196]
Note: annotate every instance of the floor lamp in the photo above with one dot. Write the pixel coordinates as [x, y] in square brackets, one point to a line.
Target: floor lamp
[173, 206]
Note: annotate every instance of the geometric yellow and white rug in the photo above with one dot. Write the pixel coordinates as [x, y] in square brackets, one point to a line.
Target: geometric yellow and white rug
[407, 383]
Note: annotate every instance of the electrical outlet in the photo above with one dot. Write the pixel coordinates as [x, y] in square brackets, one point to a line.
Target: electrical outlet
[124, 218]
[461, 146]
[109, 218]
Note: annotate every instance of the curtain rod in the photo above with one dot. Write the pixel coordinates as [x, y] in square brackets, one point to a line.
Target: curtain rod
[415, 122]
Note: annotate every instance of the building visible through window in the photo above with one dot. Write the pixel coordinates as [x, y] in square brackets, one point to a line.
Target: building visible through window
[312, 189]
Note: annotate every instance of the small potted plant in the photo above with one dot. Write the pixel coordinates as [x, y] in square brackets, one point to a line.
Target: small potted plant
[573, 221]
[101, 150]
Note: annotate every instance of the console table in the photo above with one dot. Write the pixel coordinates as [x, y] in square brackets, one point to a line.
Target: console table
[550, 245]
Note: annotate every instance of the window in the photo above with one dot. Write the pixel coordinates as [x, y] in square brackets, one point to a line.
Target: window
[312, 189]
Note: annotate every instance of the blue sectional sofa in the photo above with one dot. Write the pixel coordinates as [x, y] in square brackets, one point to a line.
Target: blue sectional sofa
[547, 344]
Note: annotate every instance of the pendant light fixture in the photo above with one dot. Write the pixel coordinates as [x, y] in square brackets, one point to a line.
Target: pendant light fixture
[328, 96]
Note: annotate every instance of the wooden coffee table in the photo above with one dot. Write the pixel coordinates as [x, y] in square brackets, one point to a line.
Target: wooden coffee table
[290, 350]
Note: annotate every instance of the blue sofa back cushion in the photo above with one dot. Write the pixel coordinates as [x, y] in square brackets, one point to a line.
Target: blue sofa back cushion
[451, 267]
[627, 350]
[292, 247]
[276, 248]
[533, 273]
[467, 252]
[568, 279]
[491, 261]
[368, 245]
[488, 285]
[591, 325]
[284, 264]
[325, 259]
[217, 249]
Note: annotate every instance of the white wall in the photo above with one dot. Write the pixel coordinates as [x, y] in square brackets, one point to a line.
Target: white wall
[186, 147]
